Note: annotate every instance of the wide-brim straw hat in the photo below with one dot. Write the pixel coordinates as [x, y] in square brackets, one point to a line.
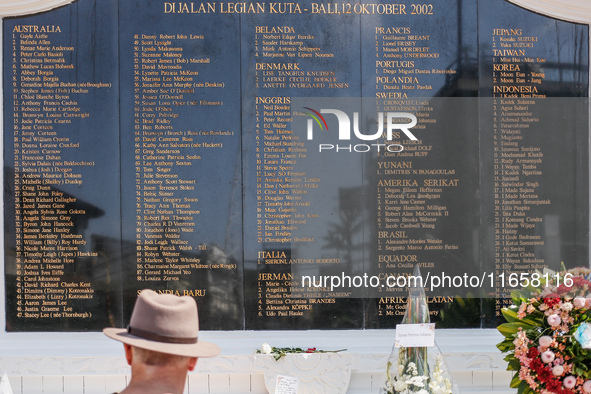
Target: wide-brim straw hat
[164, 323]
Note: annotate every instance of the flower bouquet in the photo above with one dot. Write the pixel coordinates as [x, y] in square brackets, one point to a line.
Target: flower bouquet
[408, 370]
[548, 334]
[408, 379]
[279, 352]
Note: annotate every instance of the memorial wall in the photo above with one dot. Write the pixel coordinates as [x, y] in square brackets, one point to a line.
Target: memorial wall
[290, 164]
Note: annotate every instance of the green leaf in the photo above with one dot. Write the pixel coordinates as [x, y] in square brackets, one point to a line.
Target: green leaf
[530, 322]
[506, 346]
[510, 329]
[510, 315]
[517, 297]
[523, 387]
[579, 371]
[515, 382]
[514, 365]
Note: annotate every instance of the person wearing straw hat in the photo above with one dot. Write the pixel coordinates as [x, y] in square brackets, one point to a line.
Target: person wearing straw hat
[161, 343]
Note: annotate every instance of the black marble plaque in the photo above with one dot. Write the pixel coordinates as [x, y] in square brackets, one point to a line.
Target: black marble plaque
[535, 209]
[61, 169]
[181, 158]
[287, 56]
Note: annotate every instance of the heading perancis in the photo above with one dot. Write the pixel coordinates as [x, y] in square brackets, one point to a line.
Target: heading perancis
[296, 8]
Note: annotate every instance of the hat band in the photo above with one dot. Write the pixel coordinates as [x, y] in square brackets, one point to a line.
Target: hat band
[159, 338]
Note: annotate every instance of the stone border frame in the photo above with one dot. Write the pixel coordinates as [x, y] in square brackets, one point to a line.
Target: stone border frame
[570, 10]
[27, 7]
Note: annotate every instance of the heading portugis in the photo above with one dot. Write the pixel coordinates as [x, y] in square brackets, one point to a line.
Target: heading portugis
[297, 8]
